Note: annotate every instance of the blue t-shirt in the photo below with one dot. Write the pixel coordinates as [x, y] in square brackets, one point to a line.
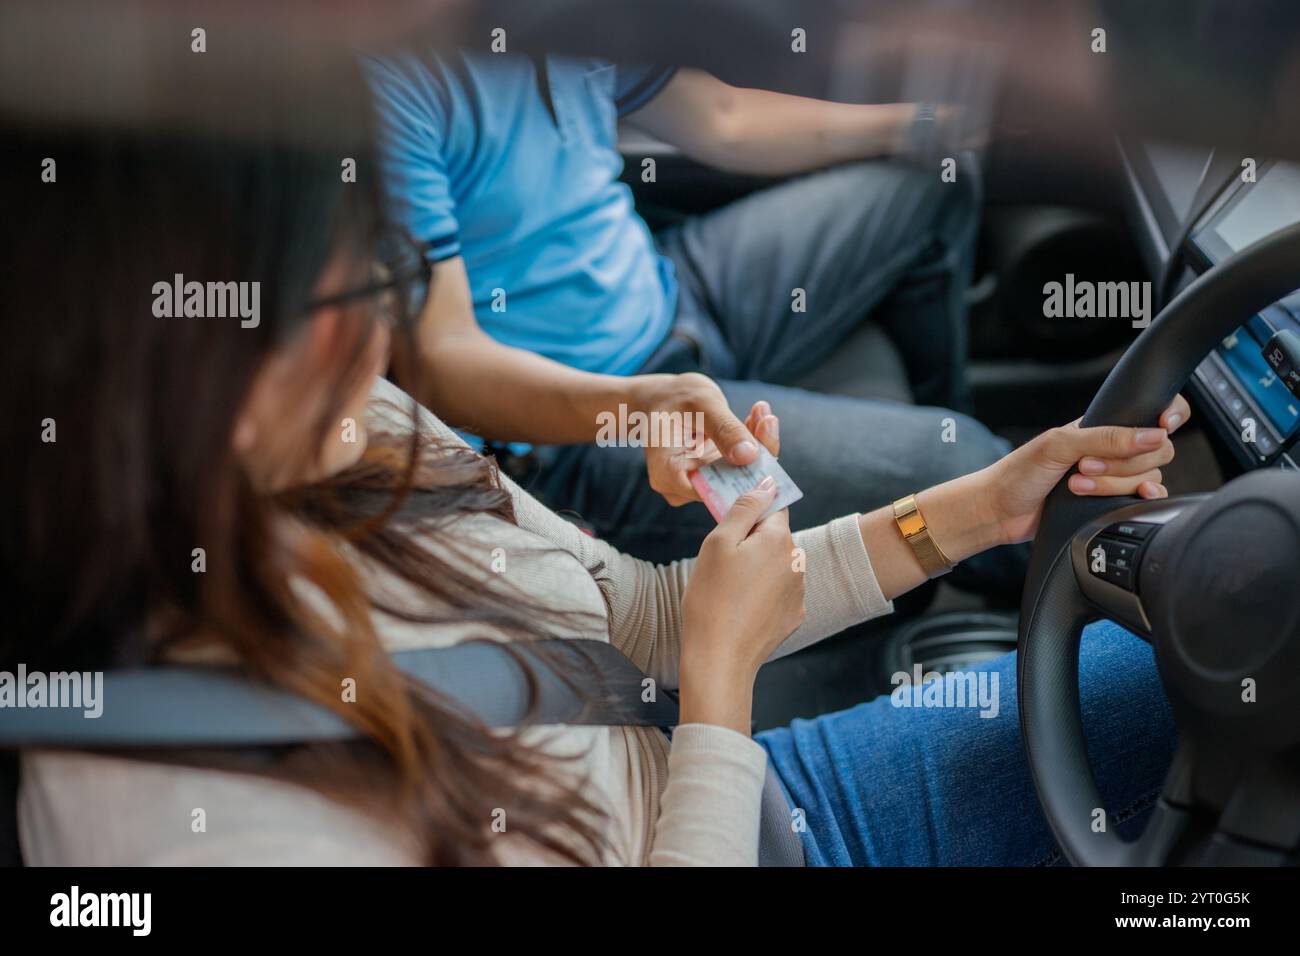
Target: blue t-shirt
[512, 164]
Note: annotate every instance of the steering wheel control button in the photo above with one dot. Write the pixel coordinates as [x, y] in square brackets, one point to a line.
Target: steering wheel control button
[1113, 559]
[1138, 530]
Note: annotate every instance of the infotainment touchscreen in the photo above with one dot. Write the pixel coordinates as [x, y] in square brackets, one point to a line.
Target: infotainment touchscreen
[1261, 413]
[1243, 353]
[1250, 212]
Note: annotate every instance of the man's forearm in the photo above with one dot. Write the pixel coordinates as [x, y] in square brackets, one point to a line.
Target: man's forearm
[769, 133]
[766, 133]
[475, 383]
[502, 393]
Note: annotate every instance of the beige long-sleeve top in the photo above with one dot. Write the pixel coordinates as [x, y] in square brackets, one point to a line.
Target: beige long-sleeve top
[695, 801]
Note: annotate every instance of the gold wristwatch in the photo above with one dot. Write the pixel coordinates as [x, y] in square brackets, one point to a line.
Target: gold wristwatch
[912, 524]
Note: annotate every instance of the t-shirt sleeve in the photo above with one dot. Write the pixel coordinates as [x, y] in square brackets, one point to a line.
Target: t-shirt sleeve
[635, 85]
[412, 133]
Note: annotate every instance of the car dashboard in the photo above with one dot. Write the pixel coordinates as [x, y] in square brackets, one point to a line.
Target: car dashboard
[1248, 388]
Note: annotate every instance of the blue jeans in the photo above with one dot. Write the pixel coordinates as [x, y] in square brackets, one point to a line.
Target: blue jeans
[882, 785]
[865, 241]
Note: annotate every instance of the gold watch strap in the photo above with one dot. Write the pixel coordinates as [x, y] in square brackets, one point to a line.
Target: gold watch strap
[912, 524]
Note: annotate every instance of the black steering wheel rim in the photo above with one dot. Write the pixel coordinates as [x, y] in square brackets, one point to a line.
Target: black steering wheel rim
[1054, 610]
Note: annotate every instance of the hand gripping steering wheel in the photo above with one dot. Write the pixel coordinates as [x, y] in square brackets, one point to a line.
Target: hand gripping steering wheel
[1211, 581]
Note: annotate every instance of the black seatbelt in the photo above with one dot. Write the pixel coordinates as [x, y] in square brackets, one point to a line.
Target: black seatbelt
[182, 707]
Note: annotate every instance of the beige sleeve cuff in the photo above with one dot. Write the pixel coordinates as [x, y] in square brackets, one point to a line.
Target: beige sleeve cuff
[708, 815]
[841, 587]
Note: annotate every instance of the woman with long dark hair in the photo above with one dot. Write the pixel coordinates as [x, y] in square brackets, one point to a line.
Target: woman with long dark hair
[195, 481]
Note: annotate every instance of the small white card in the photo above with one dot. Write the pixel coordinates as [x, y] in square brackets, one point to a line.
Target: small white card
[720, 483]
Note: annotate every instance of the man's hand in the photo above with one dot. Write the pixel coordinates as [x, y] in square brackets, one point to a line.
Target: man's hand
[696, 397]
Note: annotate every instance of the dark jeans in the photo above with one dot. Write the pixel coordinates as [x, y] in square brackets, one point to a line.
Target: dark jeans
[881, 785]
[865, 241]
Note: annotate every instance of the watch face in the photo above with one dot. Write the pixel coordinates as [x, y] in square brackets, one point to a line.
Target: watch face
[911, 523]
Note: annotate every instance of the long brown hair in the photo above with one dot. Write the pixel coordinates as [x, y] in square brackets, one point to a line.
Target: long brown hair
[118, 429]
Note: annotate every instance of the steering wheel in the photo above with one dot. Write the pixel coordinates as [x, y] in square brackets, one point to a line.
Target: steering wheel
[1210, 581]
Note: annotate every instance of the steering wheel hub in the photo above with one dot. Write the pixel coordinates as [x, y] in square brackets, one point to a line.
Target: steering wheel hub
[1235, 580]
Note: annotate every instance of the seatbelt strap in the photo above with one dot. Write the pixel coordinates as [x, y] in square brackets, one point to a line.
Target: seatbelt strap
[208, 707]
[186, 707]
